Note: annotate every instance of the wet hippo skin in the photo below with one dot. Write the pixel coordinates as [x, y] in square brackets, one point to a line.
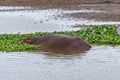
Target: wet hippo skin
[59, 43]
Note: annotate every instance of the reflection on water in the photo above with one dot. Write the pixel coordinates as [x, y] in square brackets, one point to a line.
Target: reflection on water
[101, 63]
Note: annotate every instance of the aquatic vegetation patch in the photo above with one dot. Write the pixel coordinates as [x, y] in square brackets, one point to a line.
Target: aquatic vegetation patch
[11, 43]
[98, 34]
[102, 34]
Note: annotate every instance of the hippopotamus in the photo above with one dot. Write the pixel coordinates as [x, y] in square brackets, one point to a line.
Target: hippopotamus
[59, 43]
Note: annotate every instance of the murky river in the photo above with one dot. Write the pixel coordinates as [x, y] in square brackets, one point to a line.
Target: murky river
[100, 63]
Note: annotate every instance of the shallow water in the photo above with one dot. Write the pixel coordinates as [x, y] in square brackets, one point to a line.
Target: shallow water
[101, 63]
[28, 20]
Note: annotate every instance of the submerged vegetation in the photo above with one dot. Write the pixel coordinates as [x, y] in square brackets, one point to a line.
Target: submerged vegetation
[104, 34]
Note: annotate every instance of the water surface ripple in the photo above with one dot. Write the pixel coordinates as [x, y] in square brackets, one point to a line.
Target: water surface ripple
[101, 63]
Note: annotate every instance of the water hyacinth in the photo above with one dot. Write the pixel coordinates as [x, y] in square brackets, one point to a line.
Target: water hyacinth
[84, 29]
[104, 30]
[110, 36]
[116, 25]
[18, 33]
[93, 32]
[91, 28]
[118, 30]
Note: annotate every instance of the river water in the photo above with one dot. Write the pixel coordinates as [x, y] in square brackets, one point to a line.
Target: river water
[100, 63]
[28, 20]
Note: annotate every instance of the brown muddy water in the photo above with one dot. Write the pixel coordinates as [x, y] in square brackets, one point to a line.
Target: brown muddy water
[100, 63]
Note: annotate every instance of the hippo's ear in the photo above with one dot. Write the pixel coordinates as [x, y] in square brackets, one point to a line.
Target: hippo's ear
[28, 38]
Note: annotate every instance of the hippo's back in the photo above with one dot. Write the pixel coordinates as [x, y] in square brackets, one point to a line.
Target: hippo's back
[64, 43]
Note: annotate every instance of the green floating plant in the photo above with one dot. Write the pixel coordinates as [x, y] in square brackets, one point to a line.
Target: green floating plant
[11, 43]
[97, 34]
[100, 34]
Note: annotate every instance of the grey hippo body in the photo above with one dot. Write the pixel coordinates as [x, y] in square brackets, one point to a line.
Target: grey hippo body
[59, 43]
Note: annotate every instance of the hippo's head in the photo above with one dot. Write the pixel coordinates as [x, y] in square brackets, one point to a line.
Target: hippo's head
[26, 40]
